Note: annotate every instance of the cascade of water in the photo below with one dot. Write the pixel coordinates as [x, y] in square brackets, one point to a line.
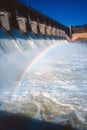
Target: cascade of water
[7, 43]
[20, 42]
[36, 39]
[22, 39]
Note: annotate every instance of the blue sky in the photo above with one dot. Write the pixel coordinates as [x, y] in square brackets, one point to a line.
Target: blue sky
[64, 11]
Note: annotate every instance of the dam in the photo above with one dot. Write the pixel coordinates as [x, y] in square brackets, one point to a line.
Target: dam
[26, 20]
[43, 74]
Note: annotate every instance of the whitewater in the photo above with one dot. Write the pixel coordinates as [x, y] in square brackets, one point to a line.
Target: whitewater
[44, 78]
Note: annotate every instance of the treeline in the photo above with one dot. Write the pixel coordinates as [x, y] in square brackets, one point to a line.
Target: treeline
[79, 28]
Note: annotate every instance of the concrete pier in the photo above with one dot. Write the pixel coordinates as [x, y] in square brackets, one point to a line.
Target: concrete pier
[33, 27]
[5, 20]
[48, 30]
[42, 28]
[22, 24]
[53, 31]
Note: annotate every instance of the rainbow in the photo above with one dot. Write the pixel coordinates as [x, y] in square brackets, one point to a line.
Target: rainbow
[30, 65]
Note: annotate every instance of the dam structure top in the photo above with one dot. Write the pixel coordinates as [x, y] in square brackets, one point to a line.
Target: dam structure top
[17, 15]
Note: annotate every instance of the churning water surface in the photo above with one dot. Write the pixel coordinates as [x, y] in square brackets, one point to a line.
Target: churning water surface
[53, 88]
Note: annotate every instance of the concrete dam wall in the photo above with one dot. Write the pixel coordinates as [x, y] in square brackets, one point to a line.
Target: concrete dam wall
[79, 33]
[27, 20]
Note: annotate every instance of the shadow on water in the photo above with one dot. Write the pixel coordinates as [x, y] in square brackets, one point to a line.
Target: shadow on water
[6, 35]
[10, 121]
[19, 34]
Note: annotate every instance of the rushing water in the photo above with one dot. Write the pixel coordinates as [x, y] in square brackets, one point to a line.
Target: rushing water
[54, 87]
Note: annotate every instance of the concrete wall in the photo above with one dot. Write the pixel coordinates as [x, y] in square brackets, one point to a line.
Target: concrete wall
[78, 36]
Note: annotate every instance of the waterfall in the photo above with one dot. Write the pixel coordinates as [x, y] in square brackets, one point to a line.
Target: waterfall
[17, 50]
[20, 42]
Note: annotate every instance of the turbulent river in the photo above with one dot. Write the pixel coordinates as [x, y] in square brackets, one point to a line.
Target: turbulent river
[43, 78]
